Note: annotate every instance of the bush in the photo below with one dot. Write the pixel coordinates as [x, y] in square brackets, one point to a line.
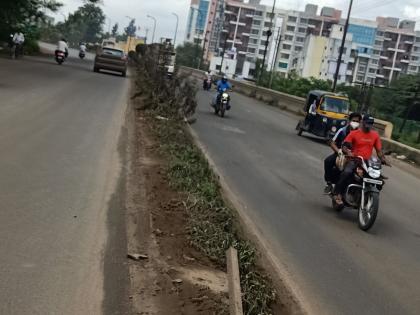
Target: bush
[31, 47]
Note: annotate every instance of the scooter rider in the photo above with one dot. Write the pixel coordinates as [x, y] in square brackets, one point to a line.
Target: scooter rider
[222, 85]
[330, 171]
[63, 47]
[82, 47]
[361, 142]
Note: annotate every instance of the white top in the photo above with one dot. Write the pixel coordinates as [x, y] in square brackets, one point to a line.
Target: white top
[18, 38]
[83, 48]
[312, 109]
[62, 46]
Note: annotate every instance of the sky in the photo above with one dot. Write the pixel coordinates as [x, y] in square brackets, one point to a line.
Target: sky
[118, 10]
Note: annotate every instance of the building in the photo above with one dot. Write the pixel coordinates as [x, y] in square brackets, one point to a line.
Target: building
[296, 27]
[197, 21]
[320, 54]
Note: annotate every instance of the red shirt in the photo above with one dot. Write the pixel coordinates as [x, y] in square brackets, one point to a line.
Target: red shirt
[363, 143]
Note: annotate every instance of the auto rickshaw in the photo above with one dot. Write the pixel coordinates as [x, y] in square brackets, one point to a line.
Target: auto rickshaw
[332, 111]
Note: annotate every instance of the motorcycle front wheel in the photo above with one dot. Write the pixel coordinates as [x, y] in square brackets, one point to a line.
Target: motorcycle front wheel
[369, 211]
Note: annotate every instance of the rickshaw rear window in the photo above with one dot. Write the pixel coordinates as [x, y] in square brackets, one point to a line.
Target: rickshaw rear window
[336, 105]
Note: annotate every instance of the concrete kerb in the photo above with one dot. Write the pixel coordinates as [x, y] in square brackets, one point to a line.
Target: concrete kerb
[289, 293]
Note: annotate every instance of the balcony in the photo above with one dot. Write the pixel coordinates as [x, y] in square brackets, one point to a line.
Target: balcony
[388, 39]
[246, 34]
[378, 75]
[250, 16]
[237, 23]
[383, 57]
[390, 68]
[407, 61]
[237, 41]
[396, 49]
[409, 42]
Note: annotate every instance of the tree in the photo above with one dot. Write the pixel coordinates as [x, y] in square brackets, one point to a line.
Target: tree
[188, 55]
[23, 14]
[131, 29]
[114, 31]
[85, 24]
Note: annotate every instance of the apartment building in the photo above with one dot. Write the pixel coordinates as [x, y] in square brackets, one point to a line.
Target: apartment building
[297, 26]
[197, 21]
[320, 54]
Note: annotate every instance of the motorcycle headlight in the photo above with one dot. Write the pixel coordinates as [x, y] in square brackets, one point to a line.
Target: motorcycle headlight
[225, 95]
[374, 173]
[333, 128]
[343, 123]
[325, 120]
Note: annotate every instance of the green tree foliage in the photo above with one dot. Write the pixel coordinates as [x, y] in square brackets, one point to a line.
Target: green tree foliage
[85, 24]
[131, 29]
[188, 55]
[114, 31]
[24, 15]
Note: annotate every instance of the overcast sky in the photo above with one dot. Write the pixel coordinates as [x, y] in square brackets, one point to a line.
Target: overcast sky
[117, 10]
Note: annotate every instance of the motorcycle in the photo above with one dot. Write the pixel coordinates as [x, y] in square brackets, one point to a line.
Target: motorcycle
[206, 85]
[363, 192]
[82, 54]
[60, 57]
[222, 103]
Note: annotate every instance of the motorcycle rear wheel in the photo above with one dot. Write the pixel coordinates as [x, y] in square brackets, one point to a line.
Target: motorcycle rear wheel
[369, 211]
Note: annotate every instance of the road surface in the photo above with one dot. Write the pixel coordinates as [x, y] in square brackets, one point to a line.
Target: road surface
[279, 176]
[61, 224]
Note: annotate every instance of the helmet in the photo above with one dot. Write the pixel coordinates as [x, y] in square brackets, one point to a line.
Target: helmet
[224, 79]
[64, 40]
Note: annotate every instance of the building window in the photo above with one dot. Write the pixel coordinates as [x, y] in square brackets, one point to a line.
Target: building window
[372, 70]
[374, 61]
[267, 24]
[360, 78]
[258, 13]
[417, 39]
[344, 50]
[413, 68]
[416, 48]
[414, 58]
[284, 56]
[377, 52]
[362, 68]
[379, 33]
[261, 51]
[304, 21]
[283, 65]
[263, 43]
[292, 19]
[298, 48]
[255, 32]
[253, 41]
[302, 30]
[256, 22]
[287, 47]
[290, 28]
[378, 43]
[288, 37]
[300, 39]
[251, 50]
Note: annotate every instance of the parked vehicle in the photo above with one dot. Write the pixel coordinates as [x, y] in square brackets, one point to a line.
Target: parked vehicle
[363, 192]
[60, 56]
[112, 59]
[330, 114]
[222, 103]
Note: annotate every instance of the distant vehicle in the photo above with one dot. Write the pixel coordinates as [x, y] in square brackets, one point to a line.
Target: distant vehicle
[113, 59]
[330, 114]
[109, 43]
[60, 56]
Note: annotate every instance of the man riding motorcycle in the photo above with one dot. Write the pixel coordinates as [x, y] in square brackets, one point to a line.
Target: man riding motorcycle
[222, 85]
[330, 170]
[358, 143]
[62, 47]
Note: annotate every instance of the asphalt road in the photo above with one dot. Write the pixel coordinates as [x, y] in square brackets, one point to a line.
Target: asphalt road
[279, 177]
[62, 232]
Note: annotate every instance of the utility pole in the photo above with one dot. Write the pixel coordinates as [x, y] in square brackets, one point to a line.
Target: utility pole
[269, 33]
[154, 27]
[275, 57]
[176, 27]
[224, 46]
[343, 42]
[147, 33]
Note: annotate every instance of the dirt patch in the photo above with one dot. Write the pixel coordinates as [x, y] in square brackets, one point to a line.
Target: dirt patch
[172, 277]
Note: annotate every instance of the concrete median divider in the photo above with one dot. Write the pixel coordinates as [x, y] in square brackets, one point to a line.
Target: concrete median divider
[295, 105]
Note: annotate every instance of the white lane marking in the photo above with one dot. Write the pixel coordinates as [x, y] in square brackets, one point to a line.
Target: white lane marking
[232, 129]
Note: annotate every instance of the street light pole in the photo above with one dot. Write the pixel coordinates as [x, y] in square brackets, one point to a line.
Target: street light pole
[343, 42]
[176, 28]
[269, 33]
[154, 27]
[273, 65]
